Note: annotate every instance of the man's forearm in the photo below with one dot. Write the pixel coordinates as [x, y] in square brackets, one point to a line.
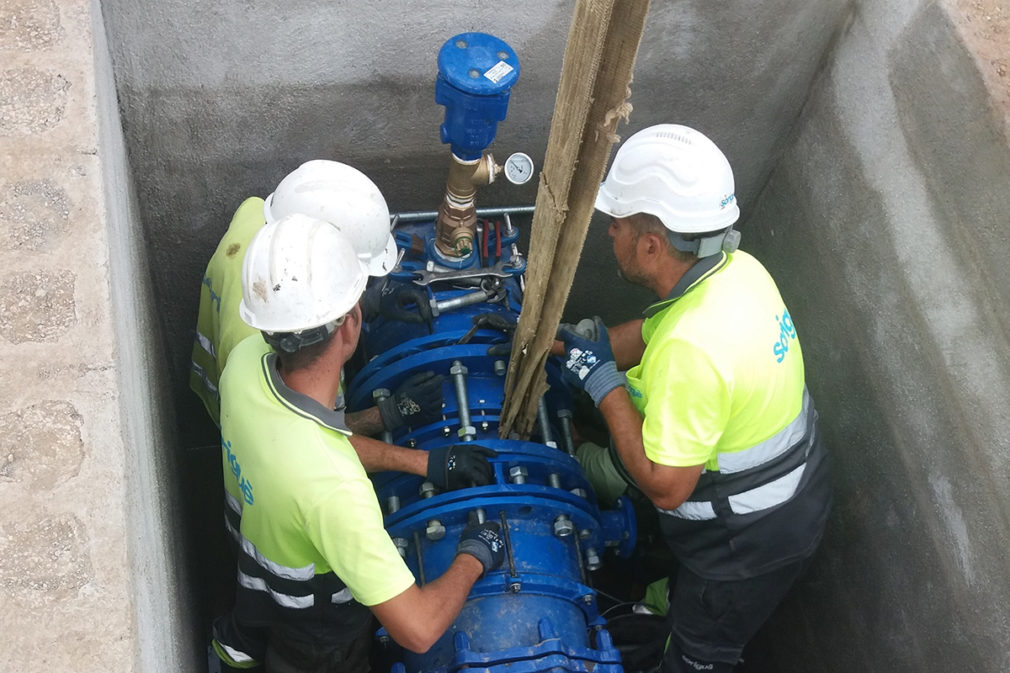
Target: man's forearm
[378, 456]
[420, 615]
[365, 422]
[627, 344]
[667, 487]
[625, 424]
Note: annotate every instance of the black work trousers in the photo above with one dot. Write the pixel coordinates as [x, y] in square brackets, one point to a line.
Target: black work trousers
[712, 620]
[352, 657]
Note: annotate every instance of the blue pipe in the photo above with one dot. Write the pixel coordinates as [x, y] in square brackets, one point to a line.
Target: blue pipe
[538, 612]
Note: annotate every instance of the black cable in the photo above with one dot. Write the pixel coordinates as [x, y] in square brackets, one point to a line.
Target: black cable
[609, 596]
[614, 607]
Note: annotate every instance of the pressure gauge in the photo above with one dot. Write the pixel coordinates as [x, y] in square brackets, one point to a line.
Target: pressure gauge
[519, 168]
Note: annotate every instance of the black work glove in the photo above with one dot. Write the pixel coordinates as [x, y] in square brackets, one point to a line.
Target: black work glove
[502, 323]
[460, 466]
[390, 300]
[483, 542]
[417, 401]
[500, 350]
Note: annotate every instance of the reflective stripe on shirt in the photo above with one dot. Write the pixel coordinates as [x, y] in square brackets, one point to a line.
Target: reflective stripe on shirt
[694, 511]
[211, 388]
[284, 600]
[773, 493]
[771, 448]
[302, 574]
[207, 345]
[791, 443]
[235, 534]
[237, 656]
[234, 504]
[233, 517]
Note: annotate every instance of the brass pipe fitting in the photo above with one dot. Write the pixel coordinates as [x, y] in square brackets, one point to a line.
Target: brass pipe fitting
[456, 226]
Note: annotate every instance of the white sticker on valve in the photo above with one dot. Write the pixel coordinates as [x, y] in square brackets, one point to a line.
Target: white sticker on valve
[499, 70]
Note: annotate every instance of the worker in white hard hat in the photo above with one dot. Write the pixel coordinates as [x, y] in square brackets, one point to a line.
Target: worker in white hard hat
[347, 199]
[315, 563]
[713, 423]
[344, 196]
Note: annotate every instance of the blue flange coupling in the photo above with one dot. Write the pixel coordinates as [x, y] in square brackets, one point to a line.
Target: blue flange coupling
[476, 72]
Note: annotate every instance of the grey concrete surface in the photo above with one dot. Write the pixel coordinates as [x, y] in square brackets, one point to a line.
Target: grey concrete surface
[884, 221]
[220, 102]
[872, 168]
[165, 599]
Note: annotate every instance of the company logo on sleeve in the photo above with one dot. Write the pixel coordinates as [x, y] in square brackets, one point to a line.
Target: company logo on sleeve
[787, 334]
[215, 298]
[244, 484]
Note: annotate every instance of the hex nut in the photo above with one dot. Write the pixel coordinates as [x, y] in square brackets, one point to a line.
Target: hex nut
[593, 561]
[435, 530]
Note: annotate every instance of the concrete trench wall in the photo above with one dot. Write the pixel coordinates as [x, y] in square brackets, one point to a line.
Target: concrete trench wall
[885, 221]
[872, 170]
[221, 102]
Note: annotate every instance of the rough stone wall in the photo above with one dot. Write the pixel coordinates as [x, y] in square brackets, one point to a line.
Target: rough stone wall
[885, 223]
[72, 442]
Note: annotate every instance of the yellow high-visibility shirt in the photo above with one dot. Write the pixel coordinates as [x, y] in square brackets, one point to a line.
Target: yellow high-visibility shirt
[219, 328]
[308, 509]
[722, 369]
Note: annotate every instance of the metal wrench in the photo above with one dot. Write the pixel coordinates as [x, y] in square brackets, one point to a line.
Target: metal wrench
[501, 269]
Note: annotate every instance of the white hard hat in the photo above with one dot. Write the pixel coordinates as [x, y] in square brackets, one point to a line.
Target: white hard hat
[299, 273]
[675, 173]
[347, 199]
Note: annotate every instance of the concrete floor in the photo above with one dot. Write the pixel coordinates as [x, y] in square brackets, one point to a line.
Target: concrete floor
[870, 145]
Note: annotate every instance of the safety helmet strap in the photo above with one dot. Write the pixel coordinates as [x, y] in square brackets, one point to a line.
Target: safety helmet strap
[292, 342]
[726, 240]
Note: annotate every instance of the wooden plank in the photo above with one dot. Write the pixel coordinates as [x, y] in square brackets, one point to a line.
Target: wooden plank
[592, 98]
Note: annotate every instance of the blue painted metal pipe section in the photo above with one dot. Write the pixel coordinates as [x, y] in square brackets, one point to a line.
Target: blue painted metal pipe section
[538, 612]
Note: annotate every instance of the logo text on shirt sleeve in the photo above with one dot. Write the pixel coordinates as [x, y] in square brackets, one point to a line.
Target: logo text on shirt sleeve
[787, 333]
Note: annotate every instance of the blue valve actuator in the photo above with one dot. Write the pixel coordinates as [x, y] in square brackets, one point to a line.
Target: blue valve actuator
[476, 72]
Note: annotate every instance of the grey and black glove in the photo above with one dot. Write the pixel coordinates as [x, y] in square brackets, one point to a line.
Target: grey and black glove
[460, 466]
[392, 301]
[483, 542]
[417, 401]
[589, 361]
